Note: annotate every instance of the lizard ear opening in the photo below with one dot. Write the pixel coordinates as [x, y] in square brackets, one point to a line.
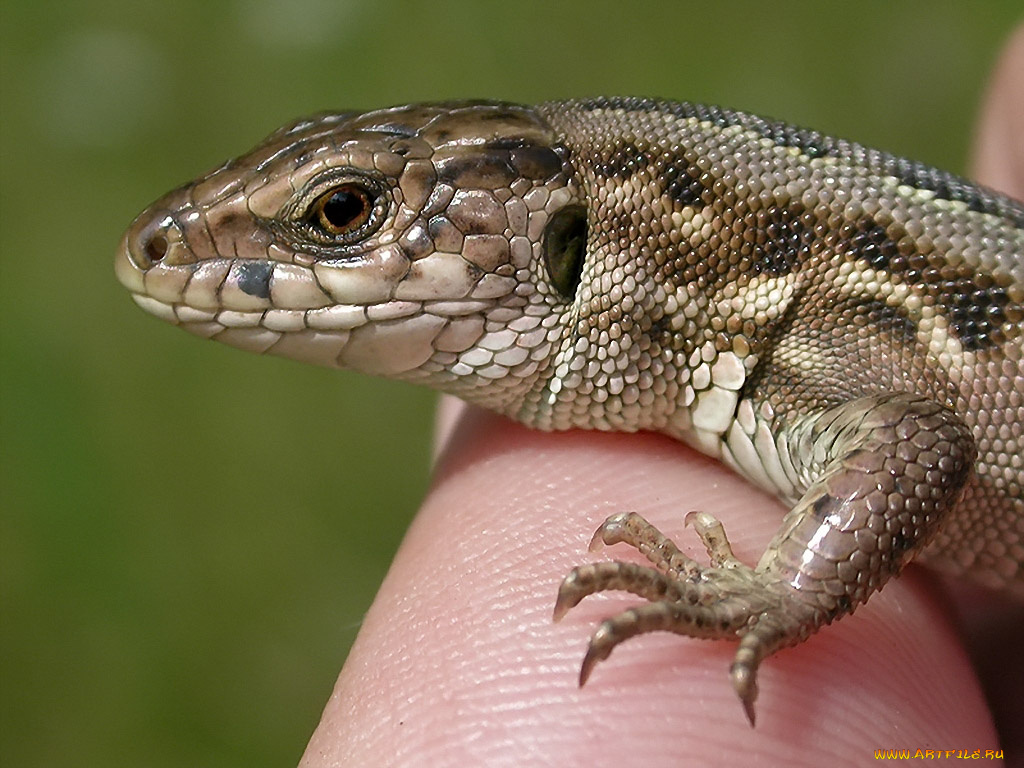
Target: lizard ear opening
[565, 240]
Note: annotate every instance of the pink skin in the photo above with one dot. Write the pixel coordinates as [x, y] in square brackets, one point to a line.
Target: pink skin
[458, 662]
[998, 156]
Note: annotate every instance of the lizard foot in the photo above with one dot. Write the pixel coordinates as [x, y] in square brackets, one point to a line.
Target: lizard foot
[892, 468]
[725, 600]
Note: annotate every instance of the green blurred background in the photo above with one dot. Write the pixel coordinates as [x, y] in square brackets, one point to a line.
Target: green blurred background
[191, 534]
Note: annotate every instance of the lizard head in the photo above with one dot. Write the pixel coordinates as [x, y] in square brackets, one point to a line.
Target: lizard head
[431, 242]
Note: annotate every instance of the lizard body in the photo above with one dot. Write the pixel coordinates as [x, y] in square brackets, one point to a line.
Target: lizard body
[842, 326]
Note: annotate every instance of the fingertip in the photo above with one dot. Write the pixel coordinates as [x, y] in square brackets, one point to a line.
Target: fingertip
[997, 157]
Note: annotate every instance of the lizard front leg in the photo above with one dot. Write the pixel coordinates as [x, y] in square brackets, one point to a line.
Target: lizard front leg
[883, 470]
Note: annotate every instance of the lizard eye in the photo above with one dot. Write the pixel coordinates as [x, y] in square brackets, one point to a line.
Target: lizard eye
[343, 210]
[565, 240]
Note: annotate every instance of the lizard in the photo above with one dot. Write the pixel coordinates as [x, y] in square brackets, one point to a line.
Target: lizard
[842, 326]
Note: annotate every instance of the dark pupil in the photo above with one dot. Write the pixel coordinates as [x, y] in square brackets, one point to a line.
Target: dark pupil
[343, 208]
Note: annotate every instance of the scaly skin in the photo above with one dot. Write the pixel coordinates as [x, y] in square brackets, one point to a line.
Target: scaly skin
[843, 327]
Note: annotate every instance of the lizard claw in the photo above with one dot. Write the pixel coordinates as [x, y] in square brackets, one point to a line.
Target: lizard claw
[611, 531]
[744, 682]
[727, 599]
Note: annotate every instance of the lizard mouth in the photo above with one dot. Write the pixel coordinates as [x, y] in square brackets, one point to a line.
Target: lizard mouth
[160, 265]
[280, 308]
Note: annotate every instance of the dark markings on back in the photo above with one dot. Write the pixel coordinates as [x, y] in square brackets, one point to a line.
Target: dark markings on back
[623, 161]
[772, 241]
[945, 185]
[977, 305]
[683, 183]
[978, 310]
[676, 177]
[782, 239]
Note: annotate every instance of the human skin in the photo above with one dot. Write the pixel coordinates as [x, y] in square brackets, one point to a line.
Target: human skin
[458, 662]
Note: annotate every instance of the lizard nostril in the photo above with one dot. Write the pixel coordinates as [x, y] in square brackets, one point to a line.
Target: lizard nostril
[157, 247]
[156, 239]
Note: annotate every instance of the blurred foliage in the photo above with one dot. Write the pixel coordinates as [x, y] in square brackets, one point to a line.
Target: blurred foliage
[190, 535]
